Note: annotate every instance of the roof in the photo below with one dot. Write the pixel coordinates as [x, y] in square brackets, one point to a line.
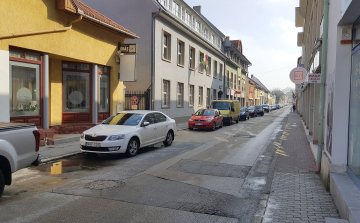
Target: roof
[77, 7]
[237, 44]
[258, 82]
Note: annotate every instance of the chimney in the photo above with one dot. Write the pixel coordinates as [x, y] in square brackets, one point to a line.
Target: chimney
[227, 37]
[197, 9]
[252, 75]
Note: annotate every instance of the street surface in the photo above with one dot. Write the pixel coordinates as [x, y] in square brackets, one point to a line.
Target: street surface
[221, 176]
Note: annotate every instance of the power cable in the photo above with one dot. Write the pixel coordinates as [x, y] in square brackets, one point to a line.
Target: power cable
[274, 70]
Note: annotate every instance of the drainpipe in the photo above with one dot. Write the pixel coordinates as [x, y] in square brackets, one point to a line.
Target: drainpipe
[12, 35]
[152, 91]
[322, 85]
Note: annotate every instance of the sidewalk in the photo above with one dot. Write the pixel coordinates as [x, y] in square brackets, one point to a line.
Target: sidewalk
[68, 145]
[297, 193]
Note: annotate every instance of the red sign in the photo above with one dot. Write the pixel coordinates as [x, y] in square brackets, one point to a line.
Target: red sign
[237, 92]
[134, 100]
[314, 78]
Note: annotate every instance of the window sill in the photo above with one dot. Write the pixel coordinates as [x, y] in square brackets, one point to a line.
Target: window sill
[192, 69]
[215, 77]
[191, 106]
[169, 61]
[201, 72]
[180, 65]
[162, 107]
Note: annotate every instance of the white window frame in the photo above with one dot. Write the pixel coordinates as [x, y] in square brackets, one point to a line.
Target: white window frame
[181, 53]
[176, 9]
[198, 26]
[192, 58]
[166, 47]
[180, 95]
[165, 100]
[201, 96]
[191, 95]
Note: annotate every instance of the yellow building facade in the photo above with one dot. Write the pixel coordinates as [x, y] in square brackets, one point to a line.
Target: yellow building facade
[61, 60]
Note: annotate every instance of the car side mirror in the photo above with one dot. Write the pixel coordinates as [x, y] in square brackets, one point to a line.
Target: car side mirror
[192, 114]
[145, 124]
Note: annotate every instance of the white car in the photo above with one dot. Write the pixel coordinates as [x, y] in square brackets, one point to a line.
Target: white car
[128, 131]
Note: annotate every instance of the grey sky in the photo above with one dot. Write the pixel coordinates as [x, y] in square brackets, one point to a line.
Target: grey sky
[267, 31]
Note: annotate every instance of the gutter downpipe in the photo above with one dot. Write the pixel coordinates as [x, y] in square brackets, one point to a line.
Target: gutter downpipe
[323, 82]
[152, 103]
[12, 35]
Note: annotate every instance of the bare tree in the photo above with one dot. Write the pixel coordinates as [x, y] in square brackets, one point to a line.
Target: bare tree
[278, 94]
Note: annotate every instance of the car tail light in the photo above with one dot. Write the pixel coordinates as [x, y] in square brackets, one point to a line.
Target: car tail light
[37, 139]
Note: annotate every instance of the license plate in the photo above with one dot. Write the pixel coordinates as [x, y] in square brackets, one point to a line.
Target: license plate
[93, 144]
[198, 124]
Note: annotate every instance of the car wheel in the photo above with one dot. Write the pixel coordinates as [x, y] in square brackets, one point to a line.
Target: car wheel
[190, 128]
[237, 121]
[133, 147]
[169, 138]
[214, 126]
[2, 182]
[222, 124]
[230, 122]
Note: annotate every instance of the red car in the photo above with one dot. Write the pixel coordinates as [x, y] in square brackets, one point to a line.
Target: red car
[206, 119]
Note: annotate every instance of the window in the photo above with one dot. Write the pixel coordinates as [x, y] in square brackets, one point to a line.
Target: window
[201, 68]
[227, 79]
[192, 58]
[197, 27]
[176, 9]
[166, 46]
[180, 95]
[208, 97]
[214, 94]
[180, 58]
[182, 14]
[164, 3]
[208, 72]
[213, 40]
[231, 80]
[149, 118]
[166, 93]
[220, 73]
[215, 69]
[206, 33]
[159, 117]
[188, 19]
[104, 83]
[201, 95]
[191, 95]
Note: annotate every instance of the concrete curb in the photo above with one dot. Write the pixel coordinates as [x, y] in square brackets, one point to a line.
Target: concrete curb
[66, 140]
[59, 157]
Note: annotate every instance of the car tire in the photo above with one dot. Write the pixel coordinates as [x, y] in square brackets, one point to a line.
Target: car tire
[214, 127]
[230, 121]
[222, 124]
[237, 121]
[133, 147]
[169, 138]
[190, 128]
[2, 182]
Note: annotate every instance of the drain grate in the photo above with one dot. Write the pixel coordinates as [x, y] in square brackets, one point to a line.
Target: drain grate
[245, 136]
[104, 184]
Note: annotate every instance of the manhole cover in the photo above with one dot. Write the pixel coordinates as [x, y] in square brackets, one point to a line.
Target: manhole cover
[105, 184]
[245, 136]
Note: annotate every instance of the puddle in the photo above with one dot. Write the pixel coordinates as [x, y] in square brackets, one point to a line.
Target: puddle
[81, 162]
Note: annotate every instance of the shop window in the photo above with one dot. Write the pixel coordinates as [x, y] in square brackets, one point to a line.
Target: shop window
[24, 88]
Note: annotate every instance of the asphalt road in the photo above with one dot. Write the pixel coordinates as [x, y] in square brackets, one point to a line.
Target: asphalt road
[205, 176]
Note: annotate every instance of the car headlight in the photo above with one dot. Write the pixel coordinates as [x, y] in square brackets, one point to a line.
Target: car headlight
[82, 136]
[190, 120]
[225, 116]
[210, 120]
[116, 137]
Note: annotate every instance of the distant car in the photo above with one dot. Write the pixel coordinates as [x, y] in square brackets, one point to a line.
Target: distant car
[244, 113]
[252, 111]
[206, 119]
[128, 131]
[266, 108]
[259, 109]
[277, 106]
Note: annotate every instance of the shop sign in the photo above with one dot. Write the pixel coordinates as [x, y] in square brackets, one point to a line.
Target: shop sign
[127, 48]
[314, 78]
[298, 75]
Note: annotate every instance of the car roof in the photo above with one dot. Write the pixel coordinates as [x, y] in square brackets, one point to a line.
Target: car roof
[142, 112]
[207, 109]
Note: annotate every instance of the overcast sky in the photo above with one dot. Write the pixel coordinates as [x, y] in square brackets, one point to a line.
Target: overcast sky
[267, 31]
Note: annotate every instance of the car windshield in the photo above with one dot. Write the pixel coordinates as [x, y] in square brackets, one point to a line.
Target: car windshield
[204, 112]
[124, 119]
[265, 106]
[221, 105]
[242, 109]
[258, 107]
[251, 108]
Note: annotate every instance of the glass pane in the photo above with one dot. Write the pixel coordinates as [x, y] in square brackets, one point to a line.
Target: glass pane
[24, 89]
[106, 70]
[354, 122]
[76, 93]
[83, 66]
[101, 69]
[32, 56]
[104, 93]
[16, 53]
[69, 66]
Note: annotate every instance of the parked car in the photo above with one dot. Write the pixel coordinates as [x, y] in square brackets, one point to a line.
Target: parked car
[206, 119]
[252, 111]
[244, 113]
[128, 131]
[266, 108]
[259, 109]
[19, 148]
[230, 109]
[277, 106]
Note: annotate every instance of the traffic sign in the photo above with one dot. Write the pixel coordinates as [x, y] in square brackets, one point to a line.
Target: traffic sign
[134, 100]
[298, 75]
